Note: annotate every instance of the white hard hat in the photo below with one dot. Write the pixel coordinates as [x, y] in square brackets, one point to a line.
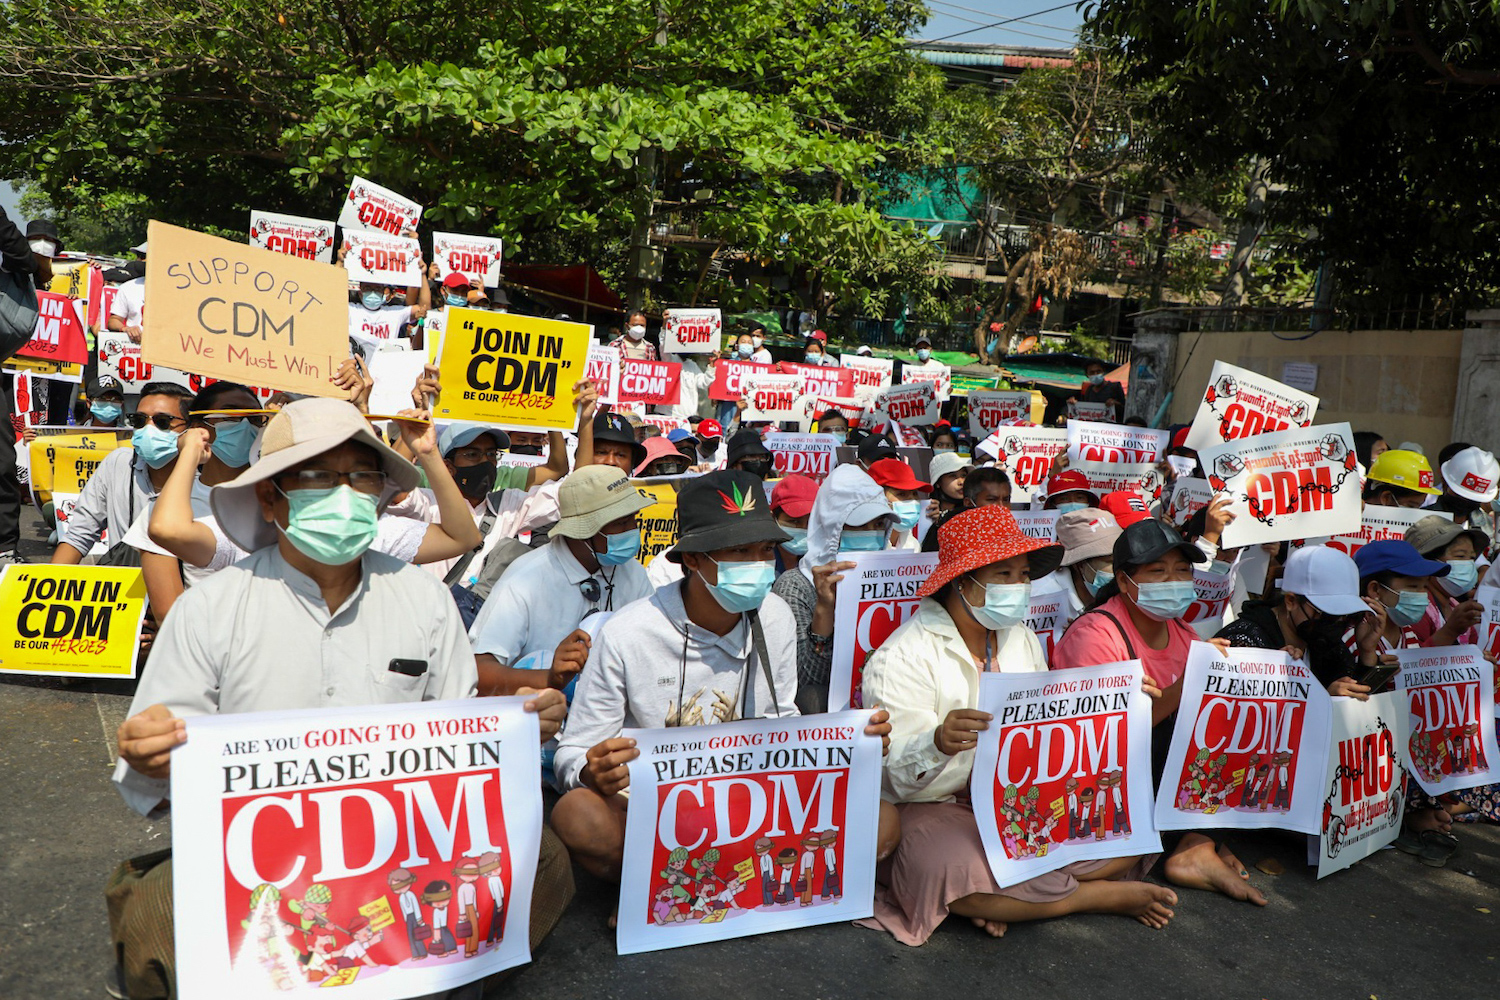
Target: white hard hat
[1473, 474]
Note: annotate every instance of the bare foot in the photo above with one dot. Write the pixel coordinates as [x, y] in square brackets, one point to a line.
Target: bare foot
[1430, 819]
[1233, 863]
[1197, 865]
[994, 928]
[1150, 904]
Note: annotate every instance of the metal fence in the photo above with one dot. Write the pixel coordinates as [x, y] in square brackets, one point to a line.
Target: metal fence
[1408, 313]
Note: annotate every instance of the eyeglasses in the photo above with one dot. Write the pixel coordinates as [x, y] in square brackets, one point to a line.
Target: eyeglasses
[326, 479]
[256, 419]
[476, 455]
[161, 421]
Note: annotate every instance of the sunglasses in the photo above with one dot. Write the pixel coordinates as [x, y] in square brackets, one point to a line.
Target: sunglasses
[161, 421]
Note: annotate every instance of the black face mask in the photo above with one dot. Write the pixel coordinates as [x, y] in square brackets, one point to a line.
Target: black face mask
[1456, 505]
[759, 468]
[1324, 637]
[475, 481]
[525, 449]
[667, 469]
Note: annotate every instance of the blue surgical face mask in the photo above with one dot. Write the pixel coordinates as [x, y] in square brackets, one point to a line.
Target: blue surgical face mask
[233, 440]
[814, 357]
[372, 300]
[798, 544]
[742, 586]
[944, 451]
[1220, 568]
[1167, 600]
[923, 354]
[1096, 379]
[622, 548]
[1068, 508]
[156, 447]
[455, 300]
[106, 412]
[746, 350]
[1462, 577]
[1409, 608]
[842, 437]
[333, 527]
[862, 541]
[1099, 580]
[907, 512]
[1005, 604]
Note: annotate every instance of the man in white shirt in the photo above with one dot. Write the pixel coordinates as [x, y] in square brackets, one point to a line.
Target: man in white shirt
[401, 882]
[127, 314]
[489, 864]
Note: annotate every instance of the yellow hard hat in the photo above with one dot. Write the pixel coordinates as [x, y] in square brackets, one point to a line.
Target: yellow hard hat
[1407, 469]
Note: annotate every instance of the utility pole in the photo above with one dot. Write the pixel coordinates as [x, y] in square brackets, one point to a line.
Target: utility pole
[1251, 225]
[640, 235]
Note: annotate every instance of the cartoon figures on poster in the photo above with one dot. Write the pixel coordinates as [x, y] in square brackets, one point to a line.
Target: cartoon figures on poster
[1264, 783]
[1447, 752]
[795, 873]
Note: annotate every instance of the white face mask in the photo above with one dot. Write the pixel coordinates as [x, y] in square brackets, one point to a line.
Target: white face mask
[756, 341]
[44, 247]
[636, 332]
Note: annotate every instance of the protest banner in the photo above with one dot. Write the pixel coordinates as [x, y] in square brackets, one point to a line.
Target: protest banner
[913, 403]
[59, 335]
[747, 828]
[71, 621]
[770, 397]
[310, 239]
[29, 397]
[1366, 780]
[1188, 496]
[1182, 466]
[871, 602]
[658, 522]
[243, 314]
[1047, 617]
[395, 374]
[1250, 747]
[1099, 413]
[474, 257]
[386, 849]
[655, 383]
[512, 370]
[821, 380]
[120, 357]
[730, 375]
[1289, 484]
[1239, 403]
[940, 378]
[1145, 478]
[369, 206]
[871, 375]
[1063, 774]
[991, 409]
[603, 369]
[382, 259]
[1095, 442]
[850, 409]
[665, 423]
[1377, 524]
[1038, 523]
[802, 454]
[1025, 454]
[691, 331]
[1488, 595]
[51, 449]
[1449, 692]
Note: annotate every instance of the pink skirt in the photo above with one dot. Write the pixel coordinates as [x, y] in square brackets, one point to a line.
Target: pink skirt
[941, 858]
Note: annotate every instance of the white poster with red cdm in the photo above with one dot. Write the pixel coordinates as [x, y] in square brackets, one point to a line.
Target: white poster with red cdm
[1287, 485]
[770, 397]
[991, 409]
[1377, 524]
[872, 600]
[1047, 616]
[1488, 595]
[748, 827]
[820, 380]
[1449, 692]
[1240, 403]
[1063, 774]
[382, 259]
[1366, 781]
[1250, 746]
[1089, 441]
[310, 239]
[474, 257]
[691, 331]
[369, 206]
[1188, 496]
[802, 454]
[1025, 454]
[871, 375]
[940, 377]
[1104, 478]
[730, 375]
[1041, 524]
[603, 369]
[912, 403]
[387, 850]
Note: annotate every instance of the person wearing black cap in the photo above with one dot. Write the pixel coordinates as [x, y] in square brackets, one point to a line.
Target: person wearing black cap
[610, 440]
[874, 448]
[126, 313]
[716, 646]
[1138, 615]
[45, 245]
[106, 401]
[748, 453]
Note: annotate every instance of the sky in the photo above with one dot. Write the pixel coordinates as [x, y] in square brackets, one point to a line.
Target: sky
[8, 198]
[1054, 29]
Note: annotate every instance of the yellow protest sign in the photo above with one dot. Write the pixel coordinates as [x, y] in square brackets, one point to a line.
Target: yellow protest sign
[67, 621]
[343, 977]
[44, 454]
[658, 522]
[500, 368]
[378, 912]
[49, 369]
[243, 314]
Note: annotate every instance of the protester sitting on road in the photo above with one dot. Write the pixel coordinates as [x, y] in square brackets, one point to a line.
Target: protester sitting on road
[311, 619]
[609, 440]
[748, 453]
[106, 398]
[1088, 540]
[944, 439]
[1450, 598]
[986, 486]
[791, 504]
[1394, 577]
[835, 423]
[662, 459]
[1068, 490]
[1400, 478]
[905, 493]
[948, 472]
[927, 675]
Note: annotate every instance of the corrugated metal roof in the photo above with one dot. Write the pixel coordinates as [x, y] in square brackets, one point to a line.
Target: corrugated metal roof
[998, 56]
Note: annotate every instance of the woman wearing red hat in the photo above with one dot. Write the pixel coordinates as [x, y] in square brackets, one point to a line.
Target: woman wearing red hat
[927, 676]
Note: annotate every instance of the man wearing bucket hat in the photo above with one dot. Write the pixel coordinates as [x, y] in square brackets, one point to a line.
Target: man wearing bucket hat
[587, 565]
[1088, 540]
[310, 618]
[716, 646]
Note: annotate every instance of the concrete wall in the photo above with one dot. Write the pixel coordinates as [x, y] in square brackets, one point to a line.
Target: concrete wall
[1401, 384]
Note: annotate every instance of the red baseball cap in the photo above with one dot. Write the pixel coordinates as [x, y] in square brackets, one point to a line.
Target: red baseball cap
[455, 280]
[1127, 506]
[818, 335]
[794, 495]
[1069, 480]
[895, 474]
[1179, 440]
[709, 429]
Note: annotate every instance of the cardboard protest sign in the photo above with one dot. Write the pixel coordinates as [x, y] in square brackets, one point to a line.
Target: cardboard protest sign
[243, 314]
[691, 331]
[730, 375]
[770, 397]
[871, 602]
[1189, 495]
[71, 621]
[310, 239]
[603, 369]
[474, 257]
[1038, 523]
[1377, 524]
[802, 454]
[120, 357]
[1120, 443]
[940, 378]
[821, 380]
[1239, 403]
[59, 334]
[1365, 781]
[390, 849]
[369, 206]
[1290, 484]
[657, 383]
[1250, 747]
[1144, 478]
[1025, 454]
[382, 259]
[747, 828]
[991, 409]
[1449, 692]
[871, 375]
[1095, 412]
[658, 523]
[913, 403]
[1063, 774]
[513, 370]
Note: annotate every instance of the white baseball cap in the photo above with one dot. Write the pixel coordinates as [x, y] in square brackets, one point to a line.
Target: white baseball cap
[1326, 577]
[1472, 474]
